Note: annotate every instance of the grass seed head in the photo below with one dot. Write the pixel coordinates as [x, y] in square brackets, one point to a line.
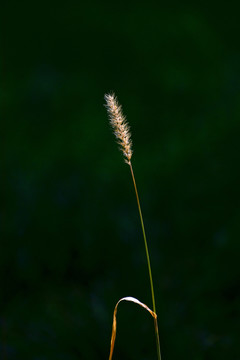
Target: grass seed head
[120, 126]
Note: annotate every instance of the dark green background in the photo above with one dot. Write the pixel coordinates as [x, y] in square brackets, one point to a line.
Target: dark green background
[71, 243]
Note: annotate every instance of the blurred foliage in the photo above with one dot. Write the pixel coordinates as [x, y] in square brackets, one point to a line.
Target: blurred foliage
[71, 242]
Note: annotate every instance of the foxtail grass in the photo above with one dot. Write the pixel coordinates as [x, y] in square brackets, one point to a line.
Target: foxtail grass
[122, 132]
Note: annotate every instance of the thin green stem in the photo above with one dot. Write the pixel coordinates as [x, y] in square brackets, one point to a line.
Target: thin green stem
[149, 264]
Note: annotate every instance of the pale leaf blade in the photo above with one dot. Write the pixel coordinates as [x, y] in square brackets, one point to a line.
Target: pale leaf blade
[114, 326]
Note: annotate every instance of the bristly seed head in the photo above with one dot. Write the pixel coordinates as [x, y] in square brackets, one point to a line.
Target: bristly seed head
[120, 126]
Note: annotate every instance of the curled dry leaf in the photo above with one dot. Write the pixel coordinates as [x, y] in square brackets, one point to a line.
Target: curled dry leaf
[114, 326]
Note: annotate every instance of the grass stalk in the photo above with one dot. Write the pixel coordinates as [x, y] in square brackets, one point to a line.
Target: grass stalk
[122, 133]
[148, 263]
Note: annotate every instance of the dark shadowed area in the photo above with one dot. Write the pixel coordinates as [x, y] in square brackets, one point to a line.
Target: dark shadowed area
[71, 244]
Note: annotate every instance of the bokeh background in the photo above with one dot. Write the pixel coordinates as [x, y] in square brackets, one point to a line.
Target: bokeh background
[71, 243]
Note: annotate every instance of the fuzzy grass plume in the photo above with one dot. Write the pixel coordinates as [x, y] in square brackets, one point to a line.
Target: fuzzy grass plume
[122, 133]
[120, 126]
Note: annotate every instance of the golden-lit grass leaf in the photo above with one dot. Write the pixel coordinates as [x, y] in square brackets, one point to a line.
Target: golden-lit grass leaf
[114, 326]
